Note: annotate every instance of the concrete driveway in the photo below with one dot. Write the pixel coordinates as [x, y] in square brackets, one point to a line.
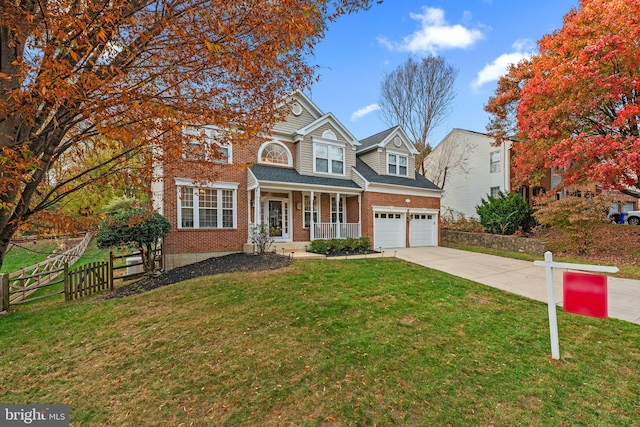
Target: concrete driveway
[519, 277]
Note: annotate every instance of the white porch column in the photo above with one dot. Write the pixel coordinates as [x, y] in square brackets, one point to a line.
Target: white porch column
[359, 214]
[249, 216]
[312, 224]
[338, 215]
[256, 206]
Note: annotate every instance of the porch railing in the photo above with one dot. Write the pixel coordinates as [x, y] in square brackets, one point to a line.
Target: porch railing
[327, 230]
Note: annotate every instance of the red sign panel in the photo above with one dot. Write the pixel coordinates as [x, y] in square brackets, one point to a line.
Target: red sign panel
[585, 294]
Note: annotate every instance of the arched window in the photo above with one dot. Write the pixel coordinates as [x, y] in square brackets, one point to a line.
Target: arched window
[328, 134]
[275, 153]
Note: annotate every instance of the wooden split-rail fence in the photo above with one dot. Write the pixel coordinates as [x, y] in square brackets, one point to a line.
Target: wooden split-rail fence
[29, 284]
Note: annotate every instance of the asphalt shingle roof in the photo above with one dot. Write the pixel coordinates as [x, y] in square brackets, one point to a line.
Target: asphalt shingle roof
[371, 176]
[277, 174]
[373, 140]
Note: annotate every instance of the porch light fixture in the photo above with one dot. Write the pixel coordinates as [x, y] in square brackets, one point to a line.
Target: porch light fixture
[298, 206]
[408, 200]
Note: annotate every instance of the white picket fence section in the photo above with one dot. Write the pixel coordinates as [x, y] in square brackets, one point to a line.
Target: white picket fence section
[29, 279]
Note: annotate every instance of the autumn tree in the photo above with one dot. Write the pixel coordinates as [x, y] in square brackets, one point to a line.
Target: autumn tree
[127, 76]
[575, 105]
[417, 96]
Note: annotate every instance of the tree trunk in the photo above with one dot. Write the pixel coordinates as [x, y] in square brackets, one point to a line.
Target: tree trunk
[5, 238]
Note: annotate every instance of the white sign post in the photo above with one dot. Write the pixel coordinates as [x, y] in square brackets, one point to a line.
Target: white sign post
[548, 264]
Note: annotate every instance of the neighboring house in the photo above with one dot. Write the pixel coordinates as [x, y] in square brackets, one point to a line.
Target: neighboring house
[469, 168]
[310, 179]
[474, 168]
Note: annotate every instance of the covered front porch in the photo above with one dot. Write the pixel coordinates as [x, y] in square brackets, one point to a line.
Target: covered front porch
[302, 208]
[296, 215]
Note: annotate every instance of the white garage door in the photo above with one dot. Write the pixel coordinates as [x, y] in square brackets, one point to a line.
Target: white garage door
[423, 230]
[389, 230]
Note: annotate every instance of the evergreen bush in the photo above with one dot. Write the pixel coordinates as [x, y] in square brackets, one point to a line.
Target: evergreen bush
[505, 214]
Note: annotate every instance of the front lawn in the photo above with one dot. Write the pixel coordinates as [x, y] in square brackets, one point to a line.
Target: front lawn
[321, 343]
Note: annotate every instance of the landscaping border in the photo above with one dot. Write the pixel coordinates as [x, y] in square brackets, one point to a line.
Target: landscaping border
[495, 241]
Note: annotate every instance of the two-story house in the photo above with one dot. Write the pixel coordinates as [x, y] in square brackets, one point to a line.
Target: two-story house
[310, 179]
[469, 167]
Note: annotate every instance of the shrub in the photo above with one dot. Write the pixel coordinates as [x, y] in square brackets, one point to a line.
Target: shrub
[456, 221]
[352, 244]
[318, 246]
[261, 237]
[575, 218]
[505, 214]
[335, 245]
[137, 226]
[321, 246]
[365, 244]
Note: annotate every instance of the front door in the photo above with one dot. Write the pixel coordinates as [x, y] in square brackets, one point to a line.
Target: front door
[278, 218]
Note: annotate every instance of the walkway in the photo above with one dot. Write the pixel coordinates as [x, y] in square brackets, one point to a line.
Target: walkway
[518, 277]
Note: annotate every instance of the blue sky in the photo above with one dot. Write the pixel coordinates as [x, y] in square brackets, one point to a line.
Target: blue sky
[478, 37]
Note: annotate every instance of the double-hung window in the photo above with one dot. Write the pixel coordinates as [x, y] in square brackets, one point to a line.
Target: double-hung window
[328, 158]
[337, 210]
[207, 208]
[205, 145]
[307, 210]
[397, 164]
[494, 161]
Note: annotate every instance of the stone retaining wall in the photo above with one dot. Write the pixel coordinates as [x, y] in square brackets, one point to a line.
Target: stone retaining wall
[495, 241]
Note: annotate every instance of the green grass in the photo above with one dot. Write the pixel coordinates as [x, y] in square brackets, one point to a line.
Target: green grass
[626, 270]
[321, 343]
[26, 254]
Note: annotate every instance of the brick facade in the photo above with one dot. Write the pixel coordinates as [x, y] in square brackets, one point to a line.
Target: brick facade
[187, 245]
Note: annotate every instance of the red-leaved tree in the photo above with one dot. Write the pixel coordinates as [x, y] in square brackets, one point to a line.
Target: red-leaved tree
[575, 105]
[119, 77]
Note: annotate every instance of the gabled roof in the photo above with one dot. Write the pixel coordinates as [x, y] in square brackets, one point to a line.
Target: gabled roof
[328, 118]
[370, 175]
[381, 139]
[291, 176]
[305, 101]
[374, 140]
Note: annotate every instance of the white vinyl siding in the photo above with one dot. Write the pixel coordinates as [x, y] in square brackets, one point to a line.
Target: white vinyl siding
[465, 187]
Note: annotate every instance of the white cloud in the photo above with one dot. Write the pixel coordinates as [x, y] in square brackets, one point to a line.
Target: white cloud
[435, 34]
[364, 111]
[492, 72]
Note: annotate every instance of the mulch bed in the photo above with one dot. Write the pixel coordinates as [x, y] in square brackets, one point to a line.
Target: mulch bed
[223, 264]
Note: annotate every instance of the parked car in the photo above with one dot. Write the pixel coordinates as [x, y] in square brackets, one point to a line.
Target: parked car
[631, 217]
